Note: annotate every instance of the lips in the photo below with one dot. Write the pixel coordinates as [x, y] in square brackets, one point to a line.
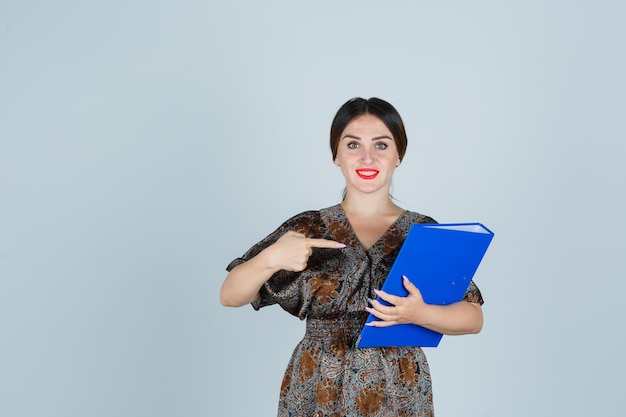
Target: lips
[367, 174]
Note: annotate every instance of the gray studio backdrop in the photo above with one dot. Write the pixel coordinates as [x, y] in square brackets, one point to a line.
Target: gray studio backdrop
[144, 145]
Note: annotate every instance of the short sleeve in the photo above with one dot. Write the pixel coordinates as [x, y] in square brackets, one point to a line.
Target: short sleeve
[284, 287]
[473, 294]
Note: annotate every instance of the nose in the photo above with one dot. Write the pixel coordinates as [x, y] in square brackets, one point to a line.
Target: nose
[367, 156]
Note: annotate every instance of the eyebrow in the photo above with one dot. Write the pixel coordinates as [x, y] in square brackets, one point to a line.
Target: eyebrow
[374, 138]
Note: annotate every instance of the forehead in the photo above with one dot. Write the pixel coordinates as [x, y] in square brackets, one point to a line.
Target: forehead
[366, 125]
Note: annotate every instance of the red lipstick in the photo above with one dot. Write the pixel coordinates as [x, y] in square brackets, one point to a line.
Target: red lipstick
[367, 174]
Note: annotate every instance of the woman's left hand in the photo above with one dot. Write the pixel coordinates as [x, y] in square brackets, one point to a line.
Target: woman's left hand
[409, 309]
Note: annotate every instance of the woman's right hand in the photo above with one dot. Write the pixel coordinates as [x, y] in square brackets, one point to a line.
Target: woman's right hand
[292, 250]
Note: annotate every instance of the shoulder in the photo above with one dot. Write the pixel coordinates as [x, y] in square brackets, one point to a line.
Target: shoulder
[307, 222]
[415, 217]
[316, 222]
[409, 218]
[304, 216]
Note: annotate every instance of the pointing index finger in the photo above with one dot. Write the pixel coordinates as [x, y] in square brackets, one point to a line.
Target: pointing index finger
[325, 243]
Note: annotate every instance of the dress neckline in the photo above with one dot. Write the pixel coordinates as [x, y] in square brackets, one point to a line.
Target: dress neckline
[380, 240]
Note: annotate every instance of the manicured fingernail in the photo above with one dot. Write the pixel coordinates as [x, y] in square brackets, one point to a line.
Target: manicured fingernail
[340, 245]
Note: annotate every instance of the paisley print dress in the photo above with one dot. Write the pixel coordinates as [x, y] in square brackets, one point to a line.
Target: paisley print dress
[327, 376]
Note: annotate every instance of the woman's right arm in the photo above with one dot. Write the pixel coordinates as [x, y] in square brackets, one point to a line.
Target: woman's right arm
[243, 282]
[290, 252]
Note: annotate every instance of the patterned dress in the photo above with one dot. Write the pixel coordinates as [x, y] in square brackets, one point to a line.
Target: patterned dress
[327, 376]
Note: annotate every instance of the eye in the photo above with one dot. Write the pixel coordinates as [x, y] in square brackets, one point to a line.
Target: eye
[353, 145]
[381, 145]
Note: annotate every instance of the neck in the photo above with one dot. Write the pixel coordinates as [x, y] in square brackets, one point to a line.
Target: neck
[369, 205]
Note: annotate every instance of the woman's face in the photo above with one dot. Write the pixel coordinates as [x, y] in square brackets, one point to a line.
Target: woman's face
[367, 155]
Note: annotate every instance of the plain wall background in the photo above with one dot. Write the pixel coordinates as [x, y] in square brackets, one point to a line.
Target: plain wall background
[145, 144]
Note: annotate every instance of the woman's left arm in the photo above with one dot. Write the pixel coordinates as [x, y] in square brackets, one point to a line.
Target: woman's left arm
[462, 317]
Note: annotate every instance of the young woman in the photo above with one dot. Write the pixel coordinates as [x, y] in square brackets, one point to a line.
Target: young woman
[326, 266]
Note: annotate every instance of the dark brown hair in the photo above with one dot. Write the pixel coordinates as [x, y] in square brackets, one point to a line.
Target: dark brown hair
[376, 107]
